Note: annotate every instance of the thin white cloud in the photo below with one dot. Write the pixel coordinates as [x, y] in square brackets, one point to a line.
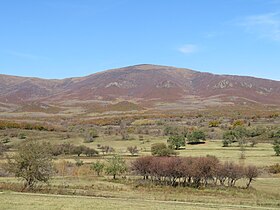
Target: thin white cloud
[26, 55]
[264, 25]
[188, 49]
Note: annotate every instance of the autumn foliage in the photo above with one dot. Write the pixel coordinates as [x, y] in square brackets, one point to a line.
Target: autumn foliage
[192, 171]
[26, 126]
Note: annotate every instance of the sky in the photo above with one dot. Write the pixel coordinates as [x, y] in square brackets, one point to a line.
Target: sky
[70, 38]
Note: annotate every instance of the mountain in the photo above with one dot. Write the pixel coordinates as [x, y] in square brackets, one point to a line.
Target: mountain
[139, 86]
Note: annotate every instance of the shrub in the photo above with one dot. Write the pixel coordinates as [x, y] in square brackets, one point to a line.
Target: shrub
[176, 141]
[90, 152]
[79, 162]
[274, 169]
[92, 134]
[238, 123]
[214, 123]
[107, 149]
[6, 140]
[22, 136]
[133, 150]
[226, 142]
[161, 149]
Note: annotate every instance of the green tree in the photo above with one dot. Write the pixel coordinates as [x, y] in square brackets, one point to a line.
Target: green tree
[257, 131]
[97, 167]
[32, 162]
[161, 149]
[228, 138]
[239, 134]
[242, 133]
[115, 166]
[176, 141]
[276, 146]
[196, 136]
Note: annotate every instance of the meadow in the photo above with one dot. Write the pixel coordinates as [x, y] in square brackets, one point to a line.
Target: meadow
[86, 192]
[259, 155]
[20, 201]
[81, 188]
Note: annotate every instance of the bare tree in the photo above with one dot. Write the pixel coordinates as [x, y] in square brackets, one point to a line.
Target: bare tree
[250, 173]
[133, 150]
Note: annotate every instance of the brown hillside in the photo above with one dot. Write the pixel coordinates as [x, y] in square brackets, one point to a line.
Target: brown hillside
[145, 84]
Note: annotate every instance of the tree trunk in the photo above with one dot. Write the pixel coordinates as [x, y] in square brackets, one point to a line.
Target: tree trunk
[248, 184]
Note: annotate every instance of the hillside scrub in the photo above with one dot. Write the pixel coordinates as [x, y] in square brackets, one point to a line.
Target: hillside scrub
[27, 126]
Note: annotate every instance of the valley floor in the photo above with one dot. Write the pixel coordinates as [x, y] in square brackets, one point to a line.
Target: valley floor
[67, 193]
[22, 201]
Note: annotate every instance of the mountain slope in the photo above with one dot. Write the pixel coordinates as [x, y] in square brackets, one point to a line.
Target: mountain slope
[143, 84]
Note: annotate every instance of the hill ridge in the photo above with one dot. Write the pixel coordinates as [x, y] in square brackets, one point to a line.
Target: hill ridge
[145, 84]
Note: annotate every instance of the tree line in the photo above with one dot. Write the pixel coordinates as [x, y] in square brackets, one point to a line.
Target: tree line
[70, 149]
[192, 171]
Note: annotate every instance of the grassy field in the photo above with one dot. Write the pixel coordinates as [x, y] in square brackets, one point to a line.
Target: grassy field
[21, 201]
[260, 155]
[265, 192]
[86, 191]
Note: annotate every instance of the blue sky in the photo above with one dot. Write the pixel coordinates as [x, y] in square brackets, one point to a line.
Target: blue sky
[68, 38]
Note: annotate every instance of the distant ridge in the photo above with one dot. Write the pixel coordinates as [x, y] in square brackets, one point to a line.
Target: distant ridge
[143, 84]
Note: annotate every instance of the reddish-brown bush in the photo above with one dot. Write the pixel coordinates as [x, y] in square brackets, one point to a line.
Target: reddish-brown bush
[192, 171]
